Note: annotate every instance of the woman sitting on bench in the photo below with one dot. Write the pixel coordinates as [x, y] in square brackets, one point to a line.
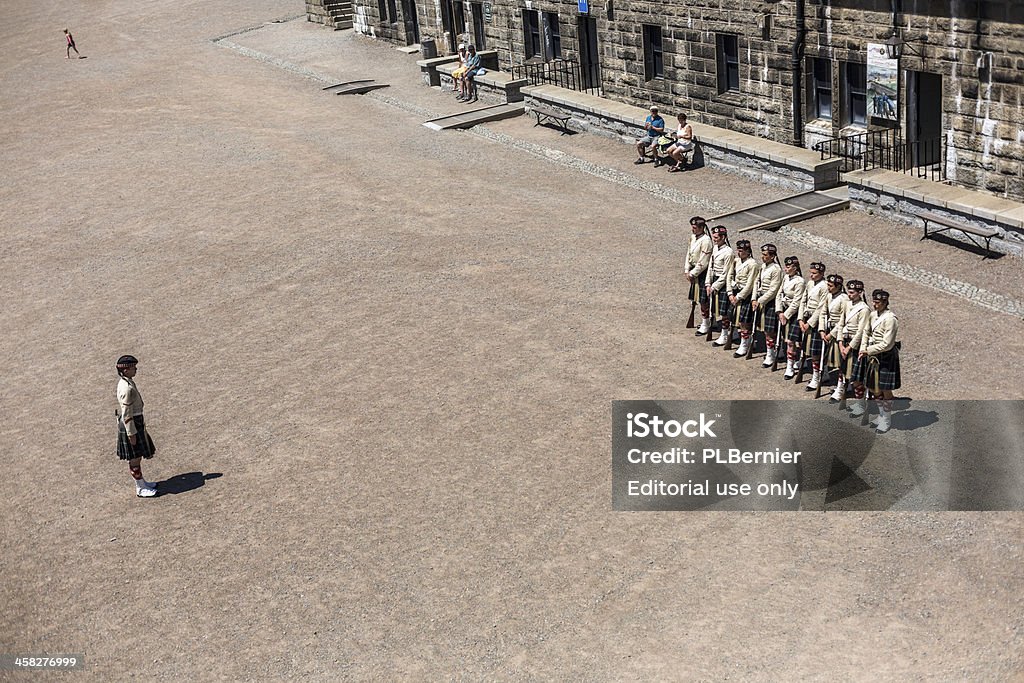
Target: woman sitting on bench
[458, 76]
[682, 147]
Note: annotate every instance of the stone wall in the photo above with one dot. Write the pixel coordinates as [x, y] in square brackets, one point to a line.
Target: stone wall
[982, 120]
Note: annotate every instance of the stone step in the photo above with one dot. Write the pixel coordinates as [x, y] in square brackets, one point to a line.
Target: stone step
[341, 25]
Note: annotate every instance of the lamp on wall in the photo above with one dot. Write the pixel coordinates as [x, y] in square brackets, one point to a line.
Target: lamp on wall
[896, 46]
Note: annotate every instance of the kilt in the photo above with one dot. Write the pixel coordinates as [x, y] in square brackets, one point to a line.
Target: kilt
[743, 313]
[769, 321]
[813, 343]
[724, 305]
[697, 291]
[796, 335]
[835, 359]
[879, 373]
[143, 448]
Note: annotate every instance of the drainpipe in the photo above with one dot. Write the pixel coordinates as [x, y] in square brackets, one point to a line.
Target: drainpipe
[798, 75]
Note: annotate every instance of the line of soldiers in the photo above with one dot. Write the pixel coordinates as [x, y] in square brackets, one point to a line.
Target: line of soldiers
[815, 318]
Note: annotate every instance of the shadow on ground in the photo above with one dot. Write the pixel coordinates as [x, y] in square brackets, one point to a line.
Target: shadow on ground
[183, 483]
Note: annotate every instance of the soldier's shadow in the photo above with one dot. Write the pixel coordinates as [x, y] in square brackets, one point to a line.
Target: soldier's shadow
[909, 420]
[183, 483]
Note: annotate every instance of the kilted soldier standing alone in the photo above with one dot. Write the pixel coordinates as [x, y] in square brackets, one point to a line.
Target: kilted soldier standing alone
[766, 288]
[812, 309]
[697, 258]
[718, 269]
[133, 442]
[740, 285]
[878, 365]
[787, 305]
[847, 333]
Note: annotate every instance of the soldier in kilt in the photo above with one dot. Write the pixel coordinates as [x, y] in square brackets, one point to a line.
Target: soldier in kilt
[812, 314]
[878, 365]
[697, 258]
[787, 306]
[846, 334]
[133, 441]
[718, 271]
[766, 288]
[740, 285]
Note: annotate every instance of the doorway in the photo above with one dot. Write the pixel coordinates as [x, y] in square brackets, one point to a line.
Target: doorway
[477, 9]
[590, 65]
[453, 21]
[412, 24]
[924, 117]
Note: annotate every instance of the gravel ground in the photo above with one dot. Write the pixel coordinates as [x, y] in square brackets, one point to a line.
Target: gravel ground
[378, 363]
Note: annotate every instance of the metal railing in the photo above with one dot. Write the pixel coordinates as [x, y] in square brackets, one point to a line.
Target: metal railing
[563, 73]
[886, 149]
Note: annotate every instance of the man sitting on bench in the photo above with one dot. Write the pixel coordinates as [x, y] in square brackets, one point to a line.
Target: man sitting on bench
[655, 127]
[473, 68]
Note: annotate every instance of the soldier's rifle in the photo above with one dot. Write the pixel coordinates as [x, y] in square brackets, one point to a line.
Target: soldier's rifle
[822, 368]
[753, 333]
[778, 343]
[803, 357]
[713, 310]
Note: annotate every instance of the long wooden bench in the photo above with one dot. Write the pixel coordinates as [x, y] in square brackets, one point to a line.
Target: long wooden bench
[970, 231]
[546, 113]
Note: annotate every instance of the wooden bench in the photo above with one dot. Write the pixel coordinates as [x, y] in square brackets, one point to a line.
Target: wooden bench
[951, 224]
[545, 114]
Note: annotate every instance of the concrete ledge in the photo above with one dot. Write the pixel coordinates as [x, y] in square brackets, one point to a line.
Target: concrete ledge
[495, 84]
[489, 59]
[748, 155]
[904, 197]
[429, 68]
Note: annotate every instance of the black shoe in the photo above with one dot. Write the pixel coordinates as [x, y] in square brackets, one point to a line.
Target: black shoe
[638, 161]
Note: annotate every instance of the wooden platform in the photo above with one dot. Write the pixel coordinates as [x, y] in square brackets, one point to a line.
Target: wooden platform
[782, 211]
[471, 117]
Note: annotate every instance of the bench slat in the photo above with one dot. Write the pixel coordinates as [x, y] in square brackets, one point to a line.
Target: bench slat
[956, 225]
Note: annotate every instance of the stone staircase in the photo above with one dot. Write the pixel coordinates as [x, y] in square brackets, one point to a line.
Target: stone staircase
[334, 13]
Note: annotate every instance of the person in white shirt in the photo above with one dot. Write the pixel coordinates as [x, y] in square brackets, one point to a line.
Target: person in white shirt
[133, 441]
[878, 365]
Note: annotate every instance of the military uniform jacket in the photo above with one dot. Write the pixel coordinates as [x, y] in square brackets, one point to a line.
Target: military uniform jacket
[699, 254]
[879, 333]
[791, 293]
[769, 280]
[721, 262]
[741, 277]
[813, 302]
[129, 404]
[855, 320]
[836, 306]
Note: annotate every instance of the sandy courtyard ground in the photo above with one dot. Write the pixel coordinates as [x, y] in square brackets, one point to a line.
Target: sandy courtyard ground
[378, 362]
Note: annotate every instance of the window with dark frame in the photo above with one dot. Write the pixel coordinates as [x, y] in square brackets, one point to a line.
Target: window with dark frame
[382, 7]
[654, 58]
[552, 36]
[821, 88]
[728, 53]
[531, 33]
[392, 12]
[855, 77]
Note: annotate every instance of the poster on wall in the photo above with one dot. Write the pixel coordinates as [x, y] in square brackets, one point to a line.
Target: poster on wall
[882, 86]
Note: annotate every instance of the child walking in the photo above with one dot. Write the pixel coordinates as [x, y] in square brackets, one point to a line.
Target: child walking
[71, 44]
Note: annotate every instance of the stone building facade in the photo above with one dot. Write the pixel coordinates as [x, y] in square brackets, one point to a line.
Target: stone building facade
[793, 71]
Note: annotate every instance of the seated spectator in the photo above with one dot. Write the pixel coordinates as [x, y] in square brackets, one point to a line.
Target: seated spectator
[654, 126]
[473, 68]
[459, 74]
[682, 150]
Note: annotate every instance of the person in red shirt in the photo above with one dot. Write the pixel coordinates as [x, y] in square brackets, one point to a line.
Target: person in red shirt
[71, 44]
